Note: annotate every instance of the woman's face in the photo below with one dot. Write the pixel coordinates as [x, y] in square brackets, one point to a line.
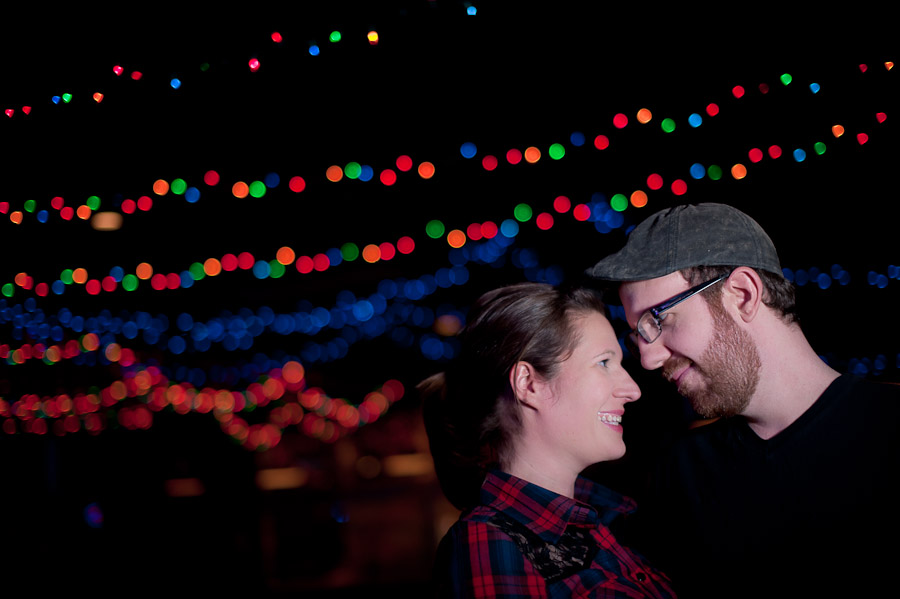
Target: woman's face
[590, 391]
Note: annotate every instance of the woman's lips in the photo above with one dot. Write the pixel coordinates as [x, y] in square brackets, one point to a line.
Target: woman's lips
[611, 419]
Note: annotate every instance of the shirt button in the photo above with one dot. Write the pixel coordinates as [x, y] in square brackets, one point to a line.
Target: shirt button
[641, 577]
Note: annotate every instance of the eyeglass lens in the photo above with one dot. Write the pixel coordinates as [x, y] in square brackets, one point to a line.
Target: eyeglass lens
[648, 327]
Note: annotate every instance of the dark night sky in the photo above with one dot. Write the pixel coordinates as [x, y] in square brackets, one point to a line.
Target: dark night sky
[515, 75]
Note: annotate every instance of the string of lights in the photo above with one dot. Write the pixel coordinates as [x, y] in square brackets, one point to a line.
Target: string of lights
[434, 340]
[87, 339]
[371, 253]
[389, 176]
[291, 403]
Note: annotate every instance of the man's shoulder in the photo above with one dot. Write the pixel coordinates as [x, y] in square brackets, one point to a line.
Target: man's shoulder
[876, 393]
[887, 389]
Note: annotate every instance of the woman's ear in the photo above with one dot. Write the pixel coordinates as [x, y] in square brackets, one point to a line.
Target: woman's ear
[744, 289]
[525, 383]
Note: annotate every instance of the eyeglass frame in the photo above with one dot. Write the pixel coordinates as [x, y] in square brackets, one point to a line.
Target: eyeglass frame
[658, 309]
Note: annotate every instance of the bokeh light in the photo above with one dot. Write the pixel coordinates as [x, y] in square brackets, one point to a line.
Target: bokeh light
[522, 212]
[434, 229]
[456, 238]
[562, 204]
[426, 170]
[388, 177]
[639, 199]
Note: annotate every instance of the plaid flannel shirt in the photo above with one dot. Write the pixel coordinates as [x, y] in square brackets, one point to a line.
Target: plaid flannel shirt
[527, 541]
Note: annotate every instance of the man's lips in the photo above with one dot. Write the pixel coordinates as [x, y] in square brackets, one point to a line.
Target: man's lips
[675, 372]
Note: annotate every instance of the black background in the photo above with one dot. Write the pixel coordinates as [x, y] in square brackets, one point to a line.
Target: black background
[512, 76]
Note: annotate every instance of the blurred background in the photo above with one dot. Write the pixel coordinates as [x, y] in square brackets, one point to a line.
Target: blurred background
[235, 239]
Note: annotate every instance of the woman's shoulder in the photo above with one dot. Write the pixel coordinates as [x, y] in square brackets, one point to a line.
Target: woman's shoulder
[480, 534]
[476, 520]
[477, 558]
[483, 526]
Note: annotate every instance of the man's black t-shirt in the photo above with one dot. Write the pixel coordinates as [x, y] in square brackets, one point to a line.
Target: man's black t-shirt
[811, 512]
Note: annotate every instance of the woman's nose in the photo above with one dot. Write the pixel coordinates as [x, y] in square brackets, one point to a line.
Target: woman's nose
[628, 388]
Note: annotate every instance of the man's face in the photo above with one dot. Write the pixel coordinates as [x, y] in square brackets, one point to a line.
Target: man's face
[709, 358]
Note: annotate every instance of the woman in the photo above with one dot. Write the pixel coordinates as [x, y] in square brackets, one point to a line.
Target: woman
[536, 395]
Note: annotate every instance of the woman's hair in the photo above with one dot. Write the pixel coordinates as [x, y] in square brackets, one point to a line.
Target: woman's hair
[471, 413]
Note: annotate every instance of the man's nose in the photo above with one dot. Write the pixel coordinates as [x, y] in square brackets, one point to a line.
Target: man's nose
[653, 355]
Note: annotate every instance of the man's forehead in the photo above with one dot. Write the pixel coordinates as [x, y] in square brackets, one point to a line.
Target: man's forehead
[638, 296]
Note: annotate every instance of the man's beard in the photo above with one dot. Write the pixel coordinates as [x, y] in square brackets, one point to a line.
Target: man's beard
[728, 369]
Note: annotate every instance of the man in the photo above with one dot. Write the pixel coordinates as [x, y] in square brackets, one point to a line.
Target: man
[789, 491]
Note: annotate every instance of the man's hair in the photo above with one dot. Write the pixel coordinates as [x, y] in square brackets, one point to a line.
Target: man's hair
[779, 293]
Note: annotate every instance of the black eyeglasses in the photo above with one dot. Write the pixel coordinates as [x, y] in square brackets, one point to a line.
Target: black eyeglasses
[649, 325]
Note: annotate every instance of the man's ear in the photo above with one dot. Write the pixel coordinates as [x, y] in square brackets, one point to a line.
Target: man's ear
[526, 384]
[744, 290]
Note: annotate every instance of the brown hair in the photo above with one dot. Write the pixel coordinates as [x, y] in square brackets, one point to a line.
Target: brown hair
[471, 414]
[779, 292]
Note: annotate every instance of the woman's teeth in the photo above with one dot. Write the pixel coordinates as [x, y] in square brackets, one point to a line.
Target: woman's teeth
[609, 418]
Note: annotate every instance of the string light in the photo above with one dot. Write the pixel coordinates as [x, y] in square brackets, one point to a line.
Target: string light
[144, 391]
[90, 341]
[109, 221]
[285, 256]
[485, 230]
[388, 176]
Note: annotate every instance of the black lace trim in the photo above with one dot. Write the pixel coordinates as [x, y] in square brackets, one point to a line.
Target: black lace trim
[574, 552]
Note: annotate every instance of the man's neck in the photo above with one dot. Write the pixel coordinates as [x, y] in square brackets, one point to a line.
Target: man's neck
[792, 379]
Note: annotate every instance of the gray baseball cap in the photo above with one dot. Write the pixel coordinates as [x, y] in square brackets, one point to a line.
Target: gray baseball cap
[689, 235]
